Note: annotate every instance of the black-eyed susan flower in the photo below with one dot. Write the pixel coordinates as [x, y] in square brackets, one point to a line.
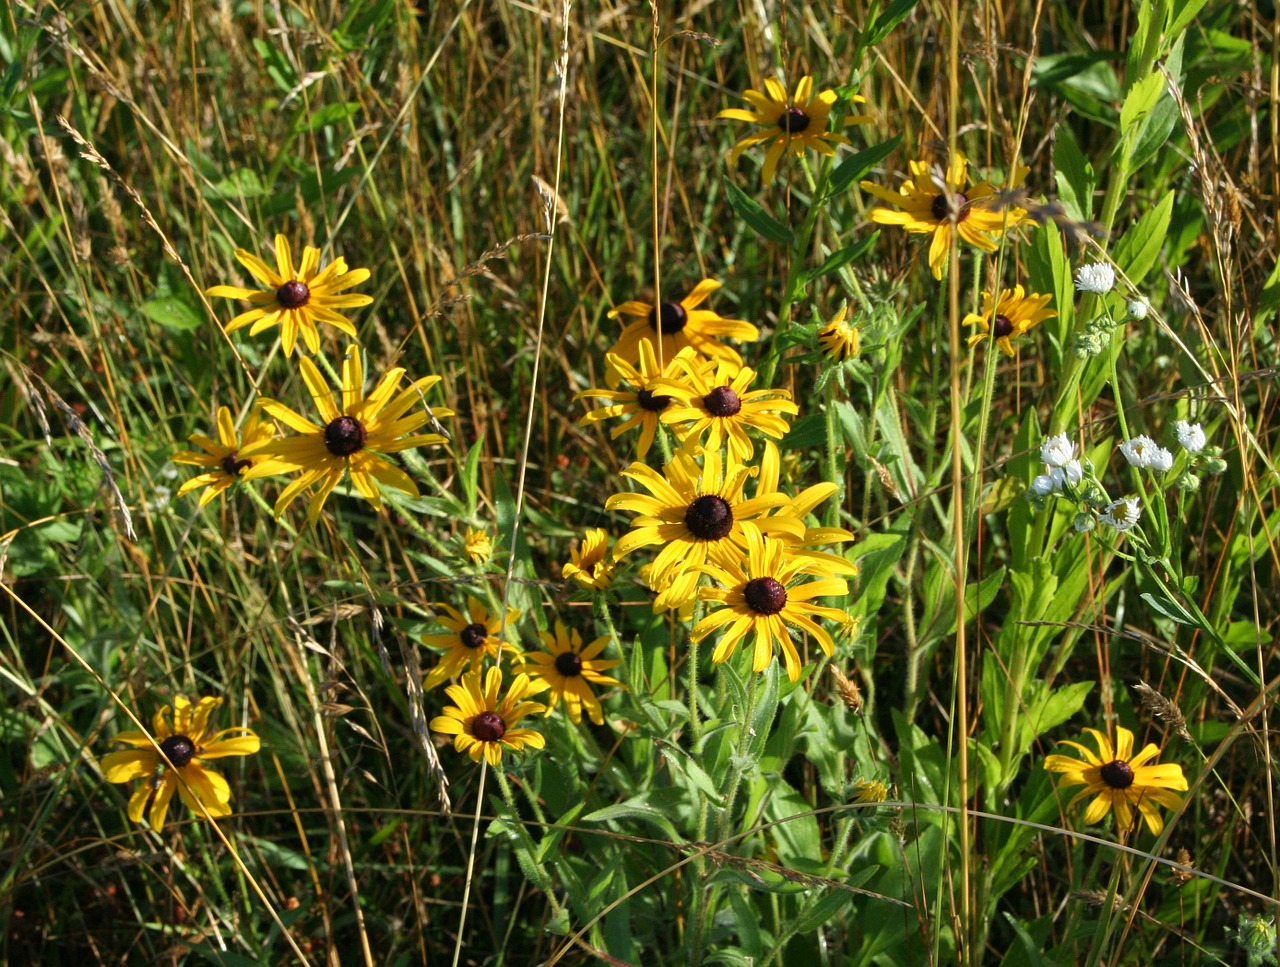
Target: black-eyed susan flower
[187, 741]
[589, 563]
[1120, 780]
[840, 339]
[804, 546]
[715, 406]
[477, 545]
[639, 402]
[790, 123]
[569, 669]
[1011, 316]
[481, 724]
[677, 325]
[761, 596]
[353, 437]
[222, 454]
[928, 204]
[295, 300]
[692, 512]
[470, 638]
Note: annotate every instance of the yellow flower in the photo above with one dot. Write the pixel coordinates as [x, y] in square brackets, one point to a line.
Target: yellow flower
[570, 670]
[839, 339]
[870, 791]
[694, 512]
[185, 738]
[477, 546]
[716, 402]
[223, 454]
[1120, 780]
[791, 123]
[471, 638]
[927, 209]
[1015, 312]
[481, 725]
[590, 566]
[800, 507]
[641, 403]
[295, 301]
[352, 438]
[679, 325]
[762, 596]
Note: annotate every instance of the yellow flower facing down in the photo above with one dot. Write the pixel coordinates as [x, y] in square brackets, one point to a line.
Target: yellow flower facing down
[223, 454]
[927, 208]
[640, 403]
[481, 724]
[352, 438]
[184, 736]
[677, 326]
[570, 670]
[470, 638]
[790, 123]
[694, 512]
[761, 596]
[838, 339]
[477, 546]
[1120, 780]
[590, 565]
[295, 300]
[1013, 315]
[715, 405]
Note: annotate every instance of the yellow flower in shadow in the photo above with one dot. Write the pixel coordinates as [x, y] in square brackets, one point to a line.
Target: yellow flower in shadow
[222, 454]
[481, 723]
[1012, 315]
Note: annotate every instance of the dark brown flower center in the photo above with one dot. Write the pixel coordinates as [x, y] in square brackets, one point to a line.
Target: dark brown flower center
[488, 727]
[793, 120]
[942, 211]
[1003, 327]
[669, 318]
[233, 467]
[178, 749]
[765, 596]
[1117, 774]
[647, 399]
[722, 401]
[709, 518]
[568, 664]
[293, 295]
[344, 436]
[473, 636]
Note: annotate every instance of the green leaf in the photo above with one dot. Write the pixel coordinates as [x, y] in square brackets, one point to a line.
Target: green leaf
[470, 473]
[857, 166]
[840, 258]
[1170, 609]
[324, 116]
[1139, 101]
[889, 18]
[1183, 13]
[1140, 247]
[759, 220]
[1075, 177]
[173, 313]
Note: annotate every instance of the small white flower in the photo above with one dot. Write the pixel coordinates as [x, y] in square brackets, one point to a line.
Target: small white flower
[1045, 484]
[1138, 451]
[1057, 451]
[1072, 472]
[1122, 514]
[1160, 460]
[1139, 308]
[1099, 277]
[1191, 436]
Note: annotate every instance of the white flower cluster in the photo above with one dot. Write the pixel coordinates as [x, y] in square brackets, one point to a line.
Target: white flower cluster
[1144, 453]
[1098, 277]
[1122, 514]
[1190, 436]
[1058, 454]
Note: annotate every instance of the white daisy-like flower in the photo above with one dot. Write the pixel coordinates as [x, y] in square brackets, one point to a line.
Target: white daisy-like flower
[1098, 277]
[1122, 514]
[1070, 472]
[1191, 436]
[1138, 451]
[1139, 308]
[1160, 460]
[1044, 485]
[1057, 451]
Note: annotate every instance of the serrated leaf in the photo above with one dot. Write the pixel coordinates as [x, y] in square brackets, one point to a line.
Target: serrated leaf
[757, 219]
[1140, 100]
